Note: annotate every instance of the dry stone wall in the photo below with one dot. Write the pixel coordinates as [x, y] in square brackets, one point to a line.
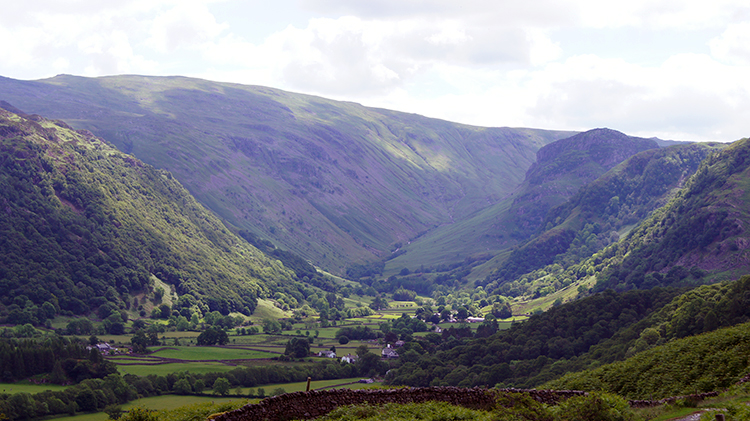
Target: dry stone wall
[695, 398]
[306, 405]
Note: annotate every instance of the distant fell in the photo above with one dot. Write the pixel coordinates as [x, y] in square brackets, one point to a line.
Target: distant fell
[560, 170]
[610, 205]
[333, 181]
[563, 167]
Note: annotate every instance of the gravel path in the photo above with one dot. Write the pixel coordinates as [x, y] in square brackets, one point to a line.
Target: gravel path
[692, 417]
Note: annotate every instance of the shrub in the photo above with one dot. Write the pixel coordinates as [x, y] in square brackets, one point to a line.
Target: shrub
[594, 407]
[139, 414]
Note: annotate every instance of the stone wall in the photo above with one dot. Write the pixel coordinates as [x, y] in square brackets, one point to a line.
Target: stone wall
[693, 399]
[306, 405]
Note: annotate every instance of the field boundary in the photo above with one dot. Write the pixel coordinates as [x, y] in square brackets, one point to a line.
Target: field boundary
[316, 403]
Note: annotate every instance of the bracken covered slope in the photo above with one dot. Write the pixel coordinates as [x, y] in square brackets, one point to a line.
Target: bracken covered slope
[83, 224]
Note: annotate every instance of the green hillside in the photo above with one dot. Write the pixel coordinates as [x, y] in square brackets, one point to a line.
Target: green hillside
[702, 363]
[594, 331]
[699, 236]
[335, 182]
[600, 211]
[560, 170]
[85, 226]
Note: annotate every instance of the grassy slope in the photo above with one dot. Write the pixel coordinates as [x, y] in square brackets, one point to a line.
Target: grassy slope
[640, 185]
[703, 363]
[561, 169]
[75, 200]
[336, 182]
[453, 243]
[700, 236]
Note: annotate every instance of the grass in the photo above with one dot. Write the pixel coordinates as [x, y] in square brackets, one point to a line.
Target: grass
[451, 243]
[99, 416]
[172, 402]
[566, 294]
[167, 402]
[209, 353]
[160, 403]
[267, 310]
[314, 385]
[164, 369]
[21, 387]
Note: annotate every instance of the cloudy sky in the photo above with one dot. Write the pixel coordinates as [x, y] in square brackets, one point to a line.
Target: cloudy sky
[676, 69]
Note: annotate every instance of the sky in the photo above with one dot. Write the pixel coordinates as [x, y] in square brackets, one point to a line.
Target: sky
[674, 69]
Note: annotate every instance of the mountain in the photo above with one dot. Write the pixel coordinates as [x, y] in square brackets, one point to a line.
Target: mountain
[603, 210]
[333, 181]
[560, 170]
[563, 167]
[701, 235]
[85, 227]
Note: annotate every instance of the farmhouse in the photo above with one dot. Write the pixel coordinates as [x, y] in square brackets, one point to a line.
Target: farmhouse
[327, 354]
[350, 359]
[389, 353]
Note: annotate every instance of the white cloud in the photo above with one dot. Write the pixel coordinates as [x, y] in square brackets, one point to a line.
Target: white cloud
[486, 62]
[184, 25]
[351, 56]
[733, 45]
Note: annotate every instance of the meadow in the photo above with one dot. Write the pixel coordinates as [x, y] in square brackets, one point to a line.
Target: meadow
[24, 387]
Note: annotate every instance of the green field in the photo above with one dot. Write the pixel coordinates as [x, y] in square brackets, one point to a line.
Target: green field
[208, 353]
[170, 402]
[267, 310]
[164, 369]
[12, 388]
[351, 383]
[165, 402]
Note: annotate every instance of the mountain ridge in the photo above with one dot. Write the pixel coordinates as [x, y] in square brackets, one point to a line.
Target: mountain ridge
[335, 182]
[561, 169]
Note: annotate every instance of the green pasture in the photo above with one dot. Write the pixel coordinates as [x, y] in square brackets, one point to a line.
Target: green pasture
[267, 310]
[208, 353]
[167, 402]
[99, 416]
[261, 339]
[184, 334]
[314, 385]
[367, 320]
[164, 369]
[566, 294]
[354, 301]
[160, 403]
[23, 387]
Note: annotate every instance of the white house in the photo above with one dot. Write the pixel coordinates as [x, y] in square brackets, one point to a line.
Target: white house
[388, 352]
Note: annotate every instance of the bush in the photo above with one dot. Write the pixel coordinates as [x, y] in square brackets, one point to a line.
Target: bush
[520, 407]
[139, 414]
[594, 407]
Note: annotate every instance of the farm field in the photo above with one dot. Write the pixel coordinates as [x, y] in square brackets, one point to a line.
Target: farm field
[165, 402]
[169, 402]
[164, 369]
[165, 360]
[208, 353]
[11, 388]
[351, 383]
